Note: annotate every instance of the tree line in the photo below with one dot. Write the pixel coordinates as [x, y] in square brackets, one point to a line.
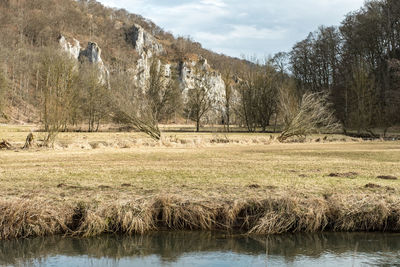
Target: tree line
[358, 64]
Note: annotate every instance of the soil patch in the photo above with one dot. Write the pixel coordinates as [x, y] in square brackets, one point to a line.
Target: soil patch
[344, 174]
[61, 185]
[371, 185]
[387, 177]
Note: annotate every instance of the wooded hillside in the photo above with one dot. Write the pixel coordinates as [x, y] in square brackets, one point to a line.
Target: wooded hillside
[354, 68]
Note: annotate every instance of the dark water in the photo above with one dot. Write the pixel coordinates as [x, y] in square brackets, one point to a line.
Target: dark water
[206, 249]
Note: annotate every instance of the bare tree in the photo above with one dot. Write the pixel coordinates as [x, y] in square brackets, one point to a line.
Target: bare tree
[309, 115]
[280, 61]
[29, 141]
[144, 123]
[95, 96]
[163, 92]
[258, 92]
[365, 104]
[199, 99]
[227, 78]
[57, 81]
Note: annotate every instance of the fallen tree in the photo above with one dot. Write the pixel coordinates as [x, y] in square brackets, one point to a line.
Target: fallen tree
[144, 124]
[5, 145]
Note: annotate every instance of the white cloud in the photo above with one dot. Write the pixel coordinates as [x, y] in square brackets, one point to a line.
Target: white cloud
[239, 32]
[217, 3]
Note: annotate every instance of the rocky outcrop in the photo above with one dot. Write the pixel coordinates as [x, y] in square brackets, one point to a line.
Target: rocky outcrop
[196, 72]
[193, 72]
[143, 41]
[91, 54]
[72, 49]
[189, 70]
[146, 46]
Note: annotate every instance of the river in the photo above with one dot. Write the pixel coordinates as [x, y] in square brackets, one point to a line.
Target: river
[205, 249]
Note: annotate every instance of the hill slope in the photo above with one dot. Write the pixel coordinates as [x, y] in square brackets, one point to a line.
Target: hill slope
[125, 43]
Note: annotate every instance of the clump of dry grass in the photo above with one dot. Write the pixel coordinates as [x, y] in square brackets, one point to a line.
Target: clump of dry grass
[129, 218]
[260, 217]
[175, 213]
[364, 213]
[28, 218]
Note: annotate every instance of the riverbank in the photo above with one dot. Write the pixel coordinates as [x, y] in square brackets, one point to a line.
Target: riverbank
[259, 187]
[24, 218]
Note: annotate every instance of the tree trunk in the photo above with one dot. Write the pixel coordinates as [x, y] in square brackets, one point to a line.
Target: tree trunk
[28, 141]
[263, 127]
[228, 116]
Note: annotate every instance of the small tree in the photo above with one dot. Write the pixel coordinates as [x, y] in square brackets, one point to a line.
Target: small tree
[163, 93]
[95, 96]
[365, 108]
[199, 100]
[228, 97]
[258, 93]
[57, 82]
[311, 114]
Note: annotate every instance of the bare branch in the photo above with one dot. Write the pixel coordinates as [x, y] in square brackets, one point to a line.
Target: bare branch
[313, 114]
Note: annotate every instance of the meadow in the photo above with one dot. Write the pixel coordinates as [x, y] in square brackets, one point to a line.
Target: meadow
[122, 182]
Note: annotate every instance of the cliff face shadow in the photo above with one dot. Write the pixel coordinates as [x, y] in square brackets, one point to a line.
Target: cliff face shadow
[170, 246]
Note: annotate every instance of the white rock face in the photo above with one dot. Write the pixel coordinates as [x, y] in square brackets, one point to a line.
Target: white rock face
[191, 78]
[92, 54]
[142, 71]
[72, 49]
[143, 41]
[167, 70]
[146, 46]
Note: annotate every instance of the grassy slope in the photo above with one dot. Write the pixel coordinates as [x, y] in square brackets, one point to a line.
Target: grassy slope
[211, 174]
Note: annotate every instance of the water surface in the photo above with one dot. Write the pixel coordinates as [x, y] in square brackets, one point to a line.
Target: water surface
[206, 249]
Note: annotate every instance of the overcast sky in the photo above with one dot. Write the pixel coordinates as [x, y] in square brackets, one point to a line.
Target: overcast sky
[236, 27]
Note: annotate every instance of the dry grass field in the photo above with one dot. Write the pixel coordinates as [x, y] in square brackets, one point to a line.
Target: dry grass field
[92, 183]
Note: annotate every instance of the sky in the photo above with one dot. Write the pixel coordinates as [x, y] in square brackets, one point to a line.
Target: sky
[241, 27]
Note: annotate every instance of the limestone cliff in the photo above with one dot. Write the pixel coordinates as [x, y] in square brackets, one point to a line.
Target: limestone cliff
[143, 41]
[188, 70]
[147, 47]
[91, 54]
[73, 49]
[193, 71]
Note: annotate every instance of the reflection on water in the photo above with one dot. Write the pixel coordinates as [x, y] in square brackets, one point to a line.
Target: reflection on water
[206, 249]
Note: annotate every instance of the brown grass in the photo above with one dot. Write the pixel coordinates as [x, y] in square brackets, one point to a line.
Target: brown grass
[250, 184]
[268, 216]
